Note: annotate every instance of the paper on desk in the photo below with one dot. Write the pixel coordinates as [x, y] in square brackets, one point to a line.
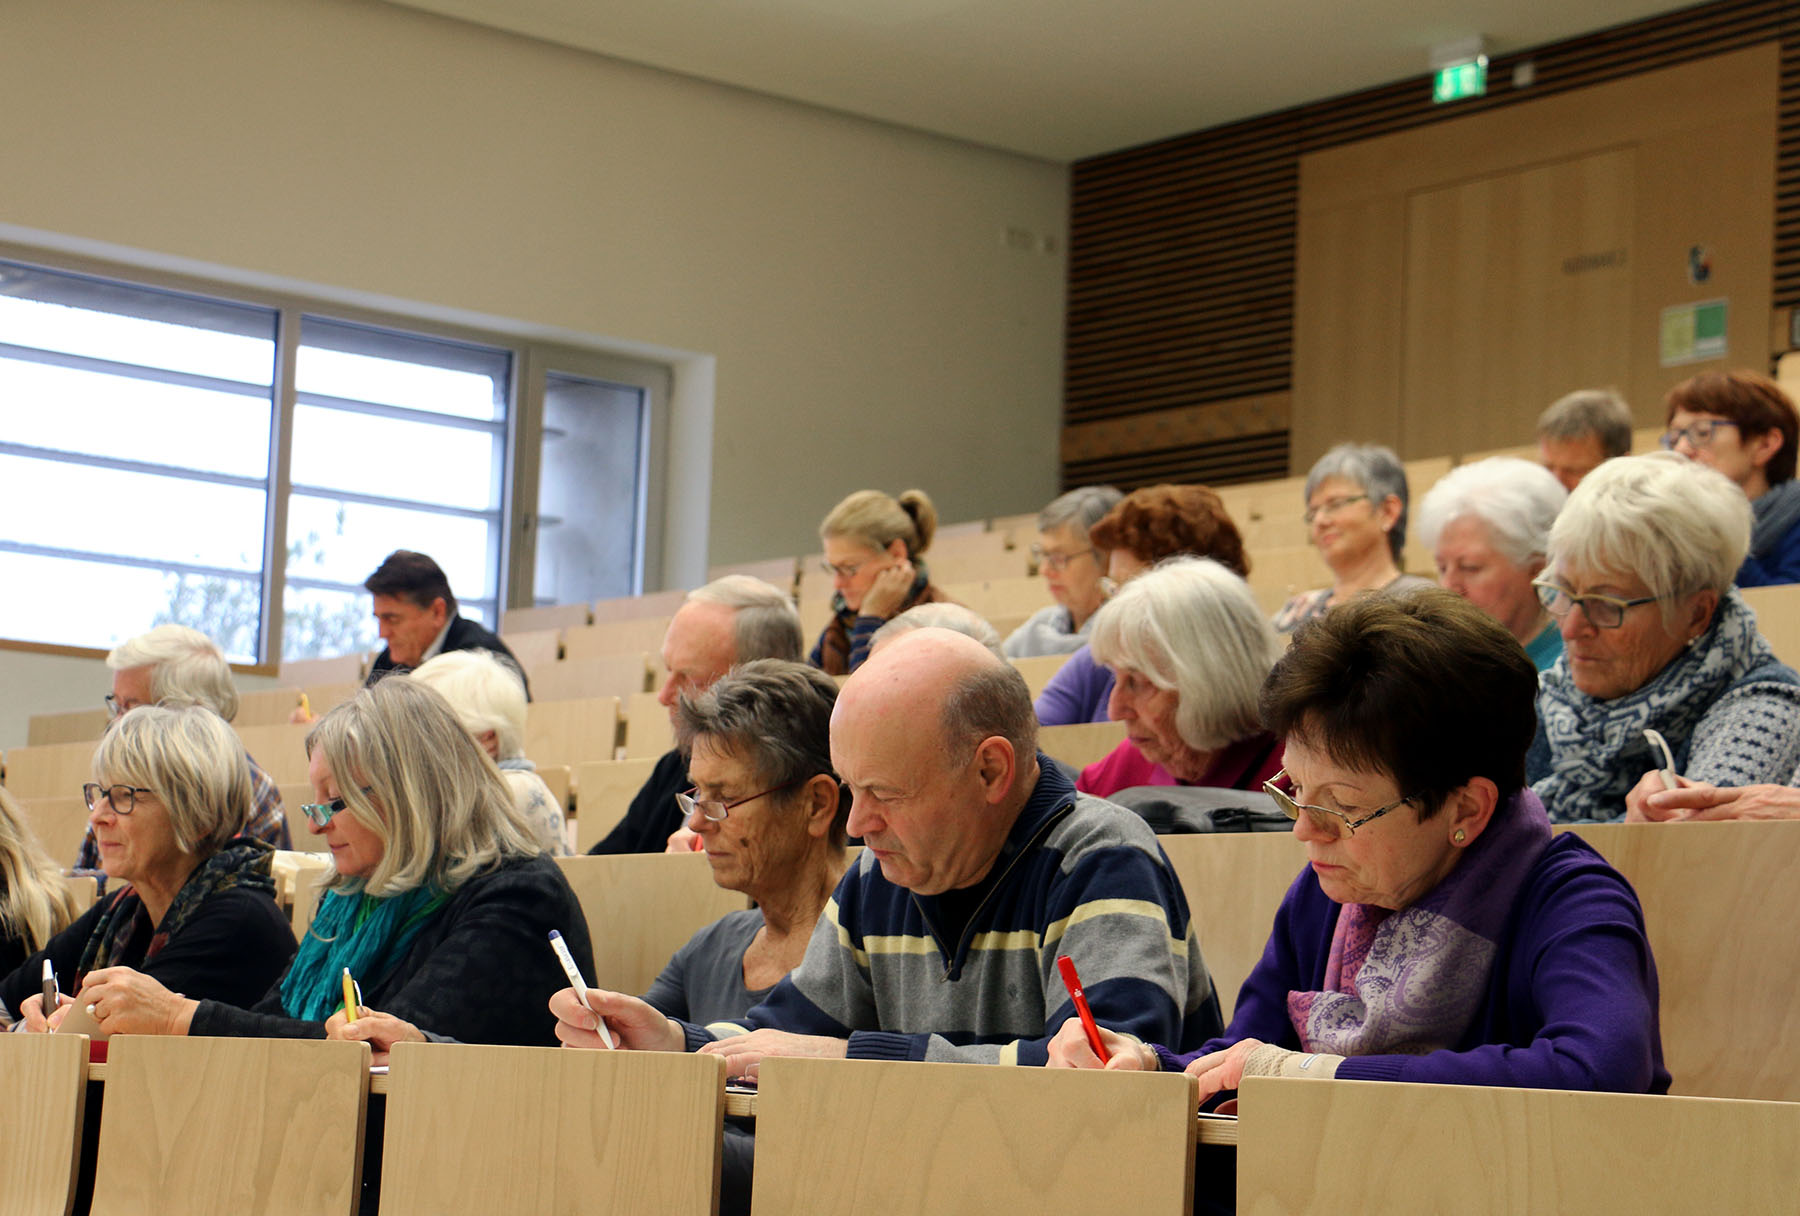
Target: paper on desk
[79, 1021]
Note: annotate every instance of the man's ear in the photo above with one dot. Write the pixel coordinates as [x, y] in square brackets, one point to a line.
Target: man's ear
[996, 765]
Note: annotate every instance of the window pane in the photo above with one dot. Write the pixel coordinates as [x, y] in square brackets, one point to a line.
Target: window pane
[590, 518]
[322, 624]
[395, 458]
[342, 542]
[358, 363]
[91, 603]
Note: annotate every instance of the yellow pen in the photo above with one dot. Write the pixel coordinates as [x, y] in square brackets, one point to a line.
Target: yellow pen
[349, 997]
[305, 705]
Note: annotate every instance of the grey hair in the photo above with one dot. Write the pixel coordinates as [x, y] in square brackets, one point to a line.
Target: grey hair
[185, 665]
[775, 716]
[1677, 524]
[407, 770]
[189, 759]
[941, 615]
[1599, 412]
[1193, 626]
[1517, 499]
[1376, 470]
[990, 700]
[764, 622]
[1081, 508]
[485, 692]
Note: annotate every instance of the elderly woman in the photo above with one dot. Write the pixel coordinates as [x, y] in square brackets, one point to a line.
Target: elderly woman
[440, 906]
[1488, 523]
[1072, 568]
[1356, 515]
[1439, 933]
[873, 545]
[35, 903]
[1147, 526]
[1743, 425]
[489, 699]
[1654, 638]
[1189, 649]
[194, 908]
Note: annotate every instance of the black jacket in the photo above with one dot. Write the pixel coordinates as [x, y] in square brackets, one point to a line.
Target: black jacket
[464, 635]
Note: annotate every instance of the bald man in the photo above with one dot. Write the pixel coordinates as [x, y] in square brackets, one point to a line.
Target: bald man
[982, 865]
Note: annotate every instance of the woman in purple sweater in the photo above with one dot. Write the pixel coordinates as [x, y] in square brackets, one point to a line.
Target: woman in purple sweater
[1439, 933]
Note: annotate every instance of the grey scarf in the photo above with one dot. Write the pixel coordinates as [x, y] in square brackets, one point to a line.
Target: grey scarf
[1776, 514]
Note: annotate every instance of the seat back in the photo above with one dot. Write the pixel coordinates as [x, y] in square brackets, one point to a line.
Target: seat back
[60, 824]
[604, 790]
[1234, 882]
[648, 732]
[44, 1078]
[535, 646]
[1778, 618]
[641, 908]
[343, 669]
[549, 616]
[619, 675]
[1038, 669]
[54, 770]
[279, 748]
[571, 732]
[610, 638]
[481, 1130]
[267, 706]
[70, 726]
[930, 1139]
[1081, 744]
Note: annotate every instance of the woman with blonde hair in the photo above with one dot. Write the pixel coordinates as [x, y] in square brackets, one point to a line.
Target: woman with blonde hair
[874, 544]
[440, 906]
[35, 903]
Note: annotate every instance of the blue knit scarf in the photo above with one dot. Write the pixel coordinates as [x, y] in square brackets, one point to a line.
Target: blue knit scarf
[367, 935]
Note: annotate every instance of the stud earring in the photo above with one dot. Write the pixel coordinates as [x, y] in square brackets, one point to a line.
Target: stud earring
[1460, 836]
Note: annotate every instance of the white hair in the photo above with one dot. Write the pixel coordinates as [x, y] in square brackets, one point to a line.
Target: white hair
[486, 693]
[764, 622]
[1675, 523]
[185, 666]
[1518, 500]
[1193, 626]
[941, 615]
[188, 758]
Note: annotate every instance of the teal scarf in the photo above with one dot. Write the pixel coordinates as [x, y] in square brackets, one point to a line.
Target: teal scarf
[365, 934]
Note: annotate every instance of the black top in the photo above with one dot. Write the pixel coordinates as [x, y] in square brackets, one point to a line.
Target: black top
[464, 635]
[233, 948]
[480, 971]
[653, 815]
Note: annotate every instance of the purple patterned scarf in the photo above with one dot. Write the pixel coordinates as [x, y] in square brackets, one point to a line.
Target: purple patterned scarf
[1411, 981]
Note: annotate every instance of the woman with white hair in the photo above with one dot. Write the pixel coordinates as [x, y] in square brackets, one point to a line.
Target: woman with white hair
[1356, 517]
[489, 699]
[193, 907]
[439, 908]
[1488, 524]
[1073, 568]
[35, 903]
[1189, 649]
[1655, 638]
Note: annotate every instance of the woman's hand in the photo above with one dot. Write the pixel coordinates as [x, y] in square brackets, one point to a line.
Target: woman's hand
[129, 1002]
[1641, 807]
[31, 1013]
[635, 1025]
[1698, 802]
[888, 591]
[1070, 1049]
[1222, 1070]
[379, 1030]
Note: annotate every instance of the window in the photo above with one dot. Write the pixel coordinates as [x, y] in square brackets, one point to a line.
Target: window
[144, 474]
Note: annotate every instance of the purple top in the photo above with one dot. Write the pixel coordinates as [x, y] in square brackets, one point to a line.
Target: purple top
[1571, 1003]
[1077, 693]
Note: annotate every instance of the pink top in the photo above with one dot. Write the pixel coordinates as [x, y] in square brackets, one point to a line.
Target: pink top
[1245, 765]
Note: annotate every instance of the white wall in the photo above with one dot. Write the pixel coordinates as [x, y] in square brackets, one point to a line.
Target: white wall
[838, 297]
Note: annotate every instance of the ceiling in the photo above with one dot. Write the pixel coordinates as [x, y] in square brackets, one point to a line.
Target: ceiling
[1057, 79]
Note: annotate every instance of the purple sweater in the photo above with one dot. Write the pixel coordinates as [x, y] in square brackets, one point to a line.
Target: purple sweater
[1572, 1002]
[1077, 693]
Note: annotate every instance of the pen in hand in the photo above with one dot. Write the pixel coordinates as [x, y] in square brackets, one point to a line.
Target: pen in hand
[51, 997]
[1072, 982]
[575, 981]
[349, 997]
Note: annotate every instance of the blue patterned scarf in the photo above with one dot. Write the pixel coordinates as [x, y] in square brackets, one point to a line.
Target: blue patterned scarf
[367, 935]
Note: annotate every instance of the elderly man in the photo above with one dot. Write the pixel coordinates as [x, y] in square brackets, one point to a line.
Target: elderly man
[729, 621]
[1580, 431]
[982, 865]
[175, 664]
[415, 611]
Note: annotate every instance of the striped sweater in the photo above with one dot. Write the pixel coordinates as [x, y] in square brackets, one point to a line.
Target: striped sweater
[1076, 876]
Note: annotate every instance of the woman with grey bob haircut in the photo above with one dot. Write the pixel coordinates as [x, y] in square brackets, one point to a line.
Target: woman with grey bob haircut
[439, 907]
[1190, 649]
[1488, 527]
[1073, 568]
[1356, 517]
[194, 906]
[1655, 639]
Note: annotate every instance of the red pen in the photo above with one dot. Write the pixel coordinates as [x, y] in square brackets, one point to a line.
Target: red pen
[1072, 982]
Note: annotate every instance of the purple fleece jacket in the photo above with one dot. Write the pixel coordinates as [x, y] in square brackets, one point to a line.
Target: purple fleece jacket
[1571, 1004]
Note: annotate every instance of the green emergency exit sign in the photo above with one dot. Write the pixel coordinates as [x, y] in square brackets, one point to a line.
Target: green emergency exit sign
[1458, 81]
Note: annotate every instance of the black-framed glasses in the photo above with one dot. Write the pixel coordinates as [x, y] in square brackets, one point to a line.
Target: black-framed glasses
[717, 811]
[1324, 816]
[1602, 611]
[121, 798]
[1049, 559]
[1699, 433]
[115, 709]
[322, 812]
[1331, 506]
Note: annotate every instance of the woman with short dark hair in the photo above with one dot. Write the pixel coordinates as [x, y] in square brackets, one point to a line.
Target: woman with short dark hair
[1743, 425]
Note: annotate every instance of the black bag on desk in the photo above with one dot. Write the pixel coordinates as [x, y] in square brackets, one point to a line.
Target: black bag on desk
[1173, 810]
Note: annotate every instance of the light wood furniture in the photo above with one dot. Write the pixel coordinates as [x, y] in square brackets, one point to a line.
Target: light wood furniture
[978, 563]
[1022, 527]
[174, 1103]
[535, 647]
[604, 793]
[641, 908]
[561, 780]
[1038, 670]
[300, 834]
[778, 572]
[280, 750]
[344, 669]
[1778, 618]
[325, 697]
[86, 889]
[630, 607]
[1278, 573]
[482, 1130]
[844, 1136]
[619, 675]
[43, 1077]
[1305, 1147]
[549, 616]
[70, 726]
[60, 824]
[648, 733]
[267, 706]
[1234, 881]
[54, 770]
[991, 597]
[610, 638]
[571, 732]
[1081, 744]
[297, 886]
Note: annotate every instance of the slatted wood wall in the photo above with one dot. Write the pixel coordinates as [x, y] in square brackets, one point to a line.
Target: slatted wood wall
[1181, 253]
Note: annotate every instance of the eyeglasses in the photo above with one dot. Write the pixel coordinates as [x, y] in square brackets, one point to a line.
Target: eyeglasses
[1699, 433]
[1051, 560]
[115, 708]
[1324, 816]
[847, 570]
[1602, 611]
[717, 811]
[321, 813]
[121, 798]
[1331, 506]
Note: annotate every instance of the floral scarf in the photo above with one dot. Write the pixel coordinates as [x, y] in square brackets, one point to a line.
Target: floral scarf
[243, 863]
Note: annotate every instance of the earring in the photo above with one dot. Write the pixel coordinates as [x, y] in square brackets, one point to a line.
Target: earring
[1460, 836]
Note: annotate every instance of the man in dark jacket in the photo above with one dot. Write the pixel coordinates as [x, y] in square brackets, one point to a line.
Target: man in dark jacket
[416, 612]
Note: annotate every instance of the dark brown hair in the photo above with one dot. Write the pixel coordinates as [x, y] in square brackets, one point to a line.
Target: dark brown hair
[1163, 521]
[411, 576]
[1755, 403]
